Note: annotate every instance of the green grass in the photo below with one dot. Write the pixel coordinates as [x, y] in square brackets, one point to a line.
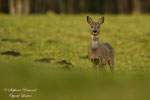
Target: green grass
[66, 37]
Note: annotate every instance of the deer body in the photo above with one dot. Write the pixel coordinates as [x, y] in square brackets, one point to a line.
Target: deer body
[99, 53]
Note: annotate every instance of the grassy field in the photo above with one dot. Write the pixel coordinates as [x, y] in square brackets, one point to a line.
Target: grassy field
[48, 52]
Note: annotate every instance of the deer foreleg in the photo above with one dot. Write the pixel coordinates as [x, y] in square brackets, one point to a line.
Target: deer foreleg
[111, 65]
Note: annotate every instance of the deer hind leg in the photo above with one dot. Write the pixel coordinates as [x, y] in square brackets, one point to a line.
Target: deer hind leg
[102, 68]
[101, 65]
[94, 67]
[111, 65]
[94, 64]
[95, 61]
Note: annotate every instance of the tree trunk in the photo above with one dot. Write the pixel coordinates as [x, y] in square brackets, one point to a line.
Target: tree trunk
[0, 5]
[83, 5]
[70, 7]
[62, 6]
[149, 6]
[110, 6]
[12, 8]
[26, 6]
[124, 6]
[144, 6]
[136, 6]
[19, 7]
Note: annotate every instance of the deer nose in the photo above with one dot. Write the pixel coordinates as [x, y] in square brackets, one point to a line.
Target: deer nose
[94, 31]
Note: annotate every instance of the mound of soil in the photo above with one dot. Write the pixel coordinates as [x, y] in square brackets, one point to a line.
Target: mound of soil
[51, 41]
[64, 62]
[47, 60]
[84, 57]
[67, 64]
[13, 40]
[148, 34]
[11, 53]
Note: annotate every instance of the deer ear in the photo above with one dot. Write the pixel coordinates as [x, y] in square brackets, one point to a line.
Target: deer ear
[89, 20]
[101, 20]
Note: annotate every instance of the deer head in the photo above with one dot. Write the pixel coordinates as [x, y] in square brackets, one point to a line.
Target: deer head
[95, 26]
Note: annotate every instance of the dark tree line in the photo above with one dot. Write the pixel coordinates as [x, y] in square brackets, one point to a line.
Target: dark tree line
[74, 6]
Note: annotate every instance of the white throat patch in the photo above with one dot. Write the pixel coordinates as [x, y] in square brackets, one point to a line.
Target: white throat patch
[94, 44]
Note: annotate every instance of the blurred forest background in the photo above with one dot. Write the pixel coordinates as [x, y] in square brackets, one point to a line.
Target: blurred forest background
[74, 6]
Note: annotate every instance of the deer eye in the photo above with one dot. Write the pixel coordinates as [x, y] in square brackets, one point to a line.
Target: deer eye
[91, 26]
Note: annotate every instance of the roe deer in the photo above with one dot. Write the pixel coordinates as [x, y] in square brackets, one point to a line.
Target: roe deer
[99, 53]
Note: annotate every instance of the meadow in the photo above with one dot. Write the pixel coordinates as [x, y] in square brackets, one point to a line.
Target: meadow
[49, 53]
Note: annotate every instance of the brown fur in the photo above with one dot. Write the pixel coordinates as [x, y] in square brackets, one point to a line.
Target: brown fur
[99, 53]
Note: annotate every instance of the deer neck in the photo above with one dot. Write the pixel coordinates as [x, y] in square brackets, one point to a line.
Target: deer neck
[95, 42]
